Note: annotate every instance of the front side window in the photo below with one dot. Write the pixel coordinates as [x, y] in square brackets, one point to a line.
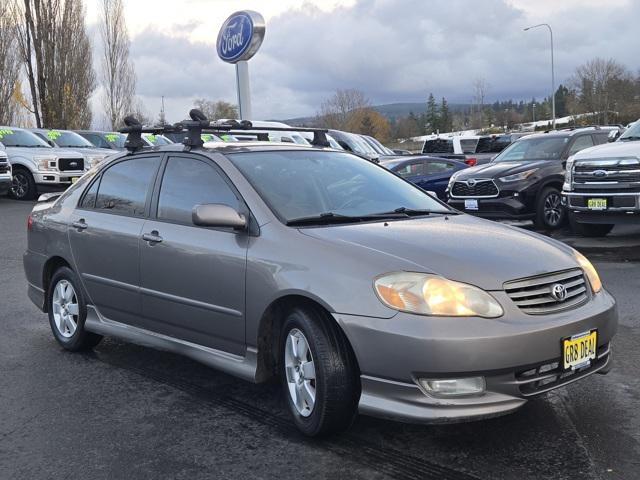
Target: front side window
[297, 184]
[411, 169]
[437, 167]
[580, 143]
[124, 186]
[188, 182]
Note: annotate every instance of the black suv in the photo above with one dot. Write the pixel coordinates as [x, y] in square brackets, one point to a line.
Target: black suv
[524, 181]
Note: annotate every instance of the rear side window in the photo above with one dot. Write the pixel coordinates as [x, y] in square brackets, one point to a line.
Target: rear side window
[434, 168]
[124, 186]
[188, 182]
[468, 145]
[411, 169]
[439, 145]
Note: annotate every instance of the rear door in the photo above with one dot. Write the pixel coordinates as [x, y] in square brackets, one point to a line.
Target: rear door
[104, 235]
[193, 278]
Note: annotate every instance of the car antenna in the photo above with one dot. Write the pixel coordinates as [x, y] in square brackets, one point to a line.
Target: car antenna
[133, 129]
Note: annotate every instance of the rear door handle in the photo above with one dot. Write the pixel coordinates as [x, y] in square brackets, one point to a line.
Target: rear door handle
[152, 237]
[80, 225]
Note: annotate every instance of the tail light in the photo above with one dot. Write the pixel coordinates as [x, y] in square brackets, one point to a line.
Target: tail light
[472, 161]
[29, 223]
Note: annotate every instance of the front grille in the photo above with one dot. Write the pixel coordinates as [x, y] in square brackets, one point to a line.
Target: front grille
[535, 295]
[615, 174]
[546, 376]
[481, 188]
[70, 164]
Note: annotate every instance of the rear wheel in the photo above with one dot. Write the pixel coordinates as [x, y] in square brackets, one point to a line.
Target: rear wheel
[319, 374]
[68, 312]
[590, 229]
[550, 214]
[23, 186]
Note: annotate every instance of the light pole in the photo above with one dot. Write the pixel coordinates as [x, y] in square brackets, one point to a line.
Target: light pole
[533, 106]
[553, 78]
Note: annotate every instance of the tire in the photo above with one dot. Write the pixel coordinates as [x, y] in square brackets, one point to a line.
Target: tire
[24, 186]
[335, 381]
[590, 229]
[550, 214]
[67, 322]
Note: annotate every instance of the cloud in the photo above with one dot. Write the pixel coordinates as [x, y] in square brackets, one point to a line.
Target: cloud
[391, 50]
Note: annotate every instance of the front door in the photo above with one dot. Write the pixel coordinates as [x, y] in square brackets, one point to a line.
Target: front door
[193, 278]
[104, 236]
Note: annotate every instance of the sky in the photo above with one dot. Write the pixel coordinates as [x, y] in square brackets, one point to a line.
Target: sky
[392, 50]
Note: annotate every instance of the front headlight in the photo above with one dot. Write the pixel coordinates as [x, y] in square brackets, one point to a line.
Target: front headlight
[568, 176]
[452, 179]
[45, 162]
[93, 160]
[519, 176]
[433, 295]
[590, 271]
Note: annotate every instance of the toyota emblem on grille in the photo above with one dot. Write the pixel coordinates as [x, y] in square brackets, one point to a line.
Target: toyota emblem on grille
[471, 182]
[559, 292]
[600, 173]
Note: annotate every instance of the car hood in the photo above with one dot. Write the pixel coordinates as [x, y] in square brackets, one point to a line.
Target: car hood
[459, 247]
[610, 150]
[500, 169]
[58, 152]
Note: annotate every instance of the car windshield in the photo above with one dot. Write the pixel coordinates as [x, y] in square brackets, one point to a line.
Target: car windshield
[529, 149]
[632, 133]
[115, 139]
[67, 139]
[21, 138]
[299, 184]
[157, 140]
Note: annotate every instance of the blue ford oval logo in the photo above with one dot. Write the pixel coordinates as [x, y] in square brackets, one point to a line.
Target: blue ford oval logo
[600, 173]
[240, 36]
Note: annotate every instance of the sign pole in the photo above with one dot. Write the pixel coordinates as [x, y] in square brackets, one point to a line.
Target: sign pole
[244, 90]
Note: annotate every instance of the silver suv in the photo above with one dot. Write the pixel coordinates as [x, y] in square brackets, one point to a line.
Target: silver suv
[36, 165]
[355, 288]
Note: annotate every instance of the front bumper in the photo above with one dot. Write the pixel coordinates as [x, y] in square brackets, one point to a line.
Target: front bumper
[57, 178]
[516, 357]
[509, 205]
[622, 207]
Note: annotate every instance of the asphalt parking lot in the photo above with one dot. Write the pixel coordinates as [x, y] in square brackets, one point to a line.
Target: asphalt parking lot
[126, 411]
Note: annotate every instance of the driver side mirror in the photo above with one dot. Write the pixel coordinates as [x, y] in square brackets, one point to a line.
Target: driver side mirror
[218, 215]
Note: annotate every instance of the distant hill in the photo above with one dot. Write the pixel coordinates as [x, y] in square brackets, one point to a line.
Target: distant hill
[391, 111]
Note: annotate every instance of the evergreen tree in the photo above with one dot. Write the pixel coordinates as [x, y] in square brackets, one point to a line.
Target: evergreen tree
[445, 116]
[433, 116]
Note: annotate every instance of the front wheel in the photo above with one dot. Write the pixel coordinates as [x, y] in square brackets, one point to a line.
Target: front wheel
[550, 213]
[319, 374]
[68, 312]
[23, 186]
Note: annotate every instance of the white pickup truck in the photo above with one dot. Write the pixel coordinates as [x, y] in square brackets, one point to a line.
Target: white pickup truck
[36, 165]
[602, 185]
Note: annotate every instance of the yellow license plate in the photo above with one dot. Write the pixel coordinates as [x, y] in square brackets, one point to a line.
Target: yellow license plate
[597, 203]
[74, 180]
[579, 350]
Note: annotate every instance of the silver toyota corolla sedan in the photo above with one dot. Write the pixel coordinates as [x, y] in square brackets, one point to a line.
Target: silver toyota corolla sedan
[359, 290]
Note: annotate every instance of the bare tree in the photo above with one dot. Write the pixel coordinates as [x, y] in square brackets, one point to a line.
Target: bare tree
[56, 51]
[337, 110]
[216, 110]
[602, 86]
[117, 77]
[9, 68]
[480, 87]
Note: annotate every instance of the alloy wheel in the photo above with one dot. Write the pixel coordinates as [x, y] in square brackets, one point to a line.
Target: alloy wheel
[65, 308]
[552, 209]
[20, 185]
[301, 372]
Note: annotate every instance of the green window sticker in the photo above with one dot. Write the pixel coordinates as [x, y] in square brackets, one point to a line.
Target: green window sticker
[152, 138]
[53, 135]
[4, 132]
[207, 137]
[225, 138]
[111, 137]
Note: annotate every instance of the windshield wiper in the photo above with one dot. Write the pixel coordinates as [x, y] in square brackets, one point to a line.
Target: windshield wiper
[411, 212]
[330, 217]
[630, 137]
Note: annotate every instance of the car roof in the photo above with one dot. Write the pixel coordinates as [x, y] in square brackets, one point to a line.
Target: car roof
[567, 133]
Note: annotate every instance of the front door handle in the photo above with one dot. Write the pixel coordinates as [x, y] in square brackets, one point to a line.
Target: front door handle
[153, 237]
[80, 225]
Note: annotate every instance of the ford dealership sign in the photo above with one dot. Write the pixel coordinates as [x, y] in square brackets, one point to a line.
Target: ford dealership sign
[240, 36]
